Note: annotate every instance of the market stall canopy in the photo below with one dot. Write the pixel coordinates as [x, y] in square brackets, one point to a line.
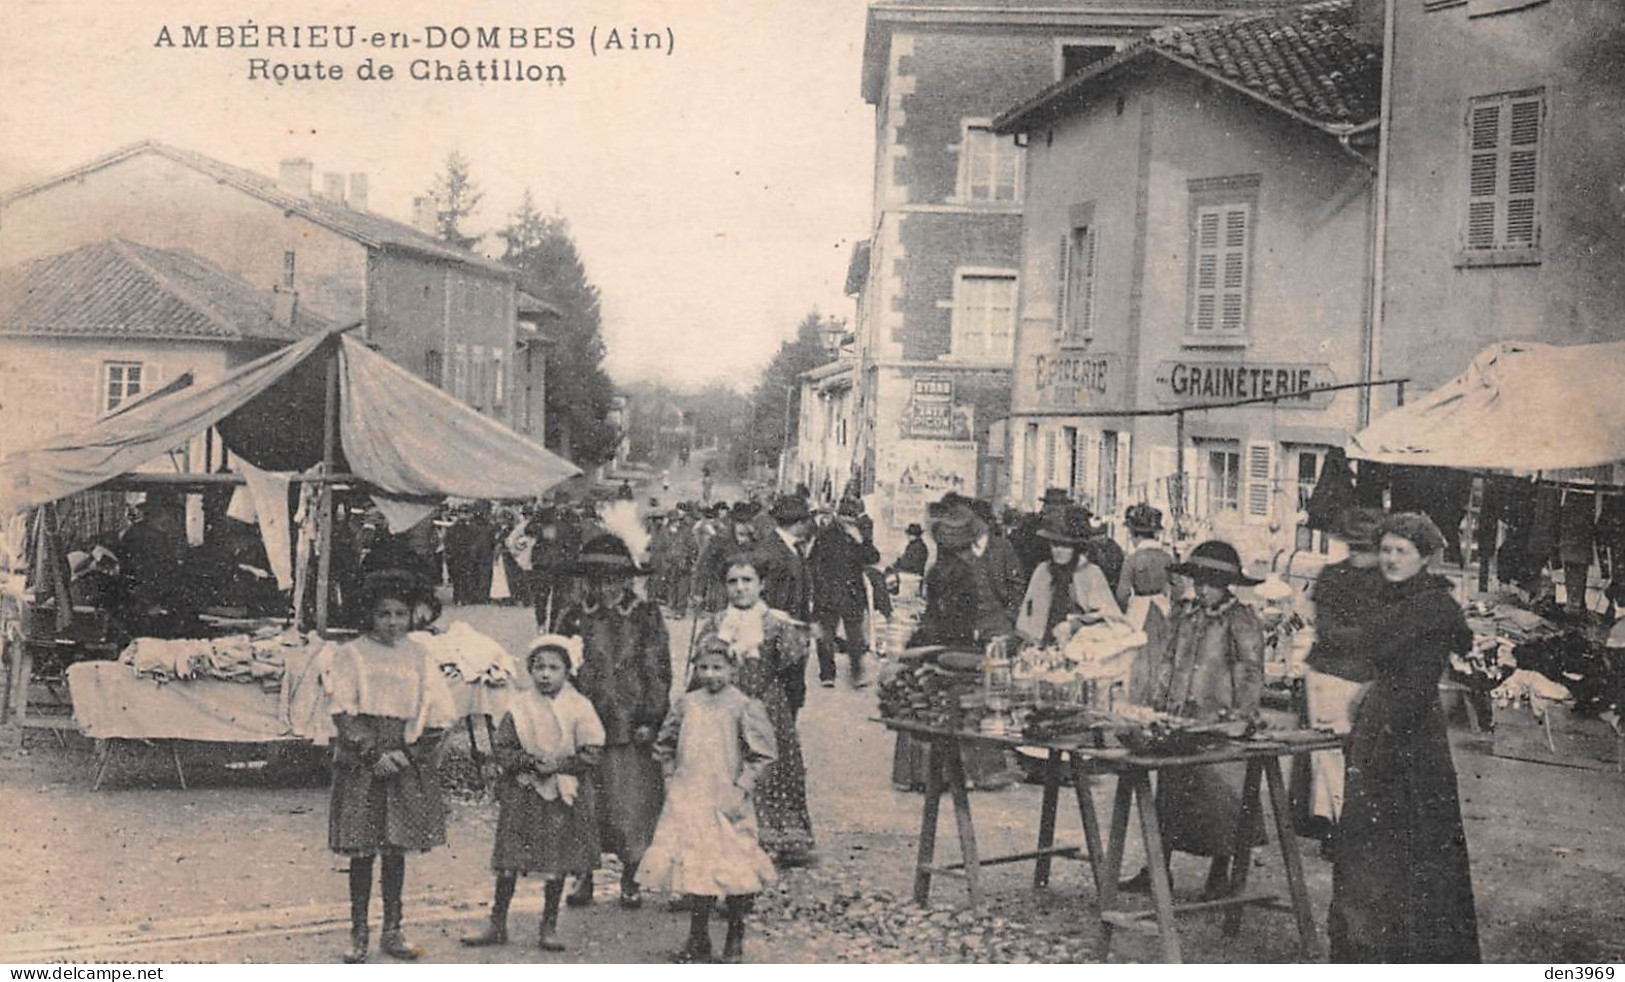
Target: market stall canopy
[399, 434]
[1521, 407]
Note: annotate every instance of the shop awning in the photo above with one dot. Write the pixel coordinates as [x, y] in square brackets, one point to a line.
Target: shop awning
[399, 434]
[1520, 407]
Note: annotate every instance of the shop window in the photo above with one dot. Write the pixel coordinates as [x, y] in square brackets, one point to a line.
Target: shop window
[984, 315]
[122, 382]
[1505, 140]
[1306, 466]
[990, 165]
[1078, 285]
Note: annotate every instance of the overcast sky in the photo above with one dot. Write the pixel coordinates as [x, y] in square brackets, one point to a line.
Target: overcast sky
[714, 192]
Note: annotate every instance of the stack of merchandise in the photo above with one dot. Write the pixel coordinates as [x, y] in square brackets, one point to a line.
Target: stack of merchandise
[465, 655]
[263, 657]
[934, 694]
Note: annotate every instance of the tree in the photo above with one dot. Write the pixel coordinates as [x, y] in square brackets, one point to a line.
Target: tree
[776, 415]
[579, 391]
[458, 197]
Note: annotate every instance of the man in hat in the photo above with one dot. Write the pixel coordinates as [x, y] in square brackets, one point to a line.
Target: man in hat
[782, 558]
[1006, 576]
[1068, 583]
[1212, 665]
[1145, 568]
[915, 554]
[152, 559]
[1346, 598]
[836, 560]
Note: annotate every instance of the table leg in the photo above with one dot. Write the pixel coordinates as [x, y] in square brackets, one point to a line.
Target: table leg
[175, 754]
[928, 823]
[23, 674]
[1290, 856]
[1241, 853]
[104, 751]
[1106, 879]
[1091, 824]
[955, 775]
[1162, 891]
[1046, 819]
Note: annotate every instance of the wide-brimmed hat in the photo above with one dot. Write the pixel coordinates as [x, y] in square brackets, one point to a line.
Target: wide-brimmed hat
[1067, 527]
[1143, 518]
[1360, 528]
[956, 528]
[606, 557]
[789, 509]
[1214, 561]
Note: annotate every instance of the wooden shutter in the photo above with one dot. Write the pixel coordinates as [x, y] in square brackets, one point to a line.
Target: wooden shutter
[1080, 299]
[1233, 285]
[1082, 442]
[1063, 283]
[1258, 481]
[1523, 168]
[1503, 172]
[1049, 460]
[1205, 303]
[1483, 177]
[1125, 468]
[1223, 240]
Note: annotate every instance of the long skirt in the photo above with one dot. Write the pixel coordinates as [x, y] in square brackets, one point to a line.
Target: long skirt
[629, 791]
[1200, 809]
[550, 837]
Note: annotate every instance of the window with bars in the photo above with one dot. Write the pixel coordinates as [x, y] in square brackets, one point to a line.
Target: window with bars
[984, 315]
[1504, 142]
[121, 382]
[1078, 285]
[989, 166]
[1221, 254]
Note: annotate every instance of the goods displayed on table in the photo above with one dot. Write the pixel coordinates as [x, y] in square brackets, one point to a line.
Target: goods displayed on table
[465, 655]
[1522, 658]
[261, 657]
[1072, 693]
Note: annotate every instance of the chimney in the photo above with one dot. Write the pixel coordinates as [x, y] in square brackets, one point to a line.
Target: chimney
[295, 174]
[1368, 22]
[333, 187]
[284, 306]
[426, 214]
[358, 192]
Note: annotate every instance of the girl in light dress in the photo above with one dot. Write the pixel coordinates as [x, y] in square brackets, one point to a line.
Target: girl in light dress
[546, 747]
[713, 747]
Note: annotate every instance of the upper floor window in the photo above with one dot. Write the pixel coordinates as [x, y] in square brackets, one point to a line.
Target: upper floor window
[984, 315]
[1072, 57]
[1504, 144]
[1222, 230]
[121, 382]
[289, 261]
[1078, 285]
[989, 166]
[433, 368]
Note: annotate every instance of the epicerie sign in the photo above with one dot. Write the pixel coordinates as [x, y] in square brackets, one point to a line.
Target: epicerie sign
[1295, 385]
[1074, 381]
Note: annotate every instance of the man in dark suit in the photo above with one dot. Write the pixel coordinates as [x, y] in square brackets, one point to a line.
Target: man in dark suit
[841, 550]
[782, 560]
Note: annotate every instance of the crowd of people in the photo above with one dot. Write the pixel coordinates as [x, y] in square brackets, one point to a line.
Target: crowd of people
[705, 795]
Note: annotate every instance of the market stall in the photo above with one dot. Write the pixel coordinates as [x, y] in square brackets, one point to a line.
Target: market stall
[1072, 704]
[1543, 426]
[322, 416]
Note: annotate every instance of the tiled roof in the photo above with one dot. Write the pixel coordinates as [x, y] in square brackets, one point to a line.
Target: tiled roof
[371, 230]
[1090, 6]
[121, 289]
[1304, 61]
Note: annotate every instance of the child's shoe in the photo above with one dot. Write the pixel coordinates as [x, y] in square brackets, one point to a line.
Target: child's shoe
[581, 896]
[495, 933]
[358, 946]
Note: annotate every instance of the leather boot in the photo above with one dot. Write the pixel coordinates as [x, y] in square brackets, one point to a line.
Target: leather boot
[733, 949]
[390, 940]
[496, 932]
[631, 893]
[581, 896]
[698, 948]
[359, 942]
[547, 935]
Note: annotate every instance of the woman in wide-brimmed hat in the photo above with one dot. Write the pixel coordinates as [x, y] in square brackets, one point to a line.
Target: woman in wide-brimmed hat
[1068, 583]
[1212, 665]
[626, 675]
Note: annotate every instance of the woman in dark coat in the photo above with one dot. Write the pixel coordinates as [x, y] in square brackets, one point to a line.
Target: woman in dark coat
[1402, 888]
[626, 675]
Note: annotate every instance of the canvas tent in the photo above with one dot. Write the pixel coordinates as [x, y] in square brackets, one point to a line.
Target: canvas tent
[394, 432]
[1520, 407]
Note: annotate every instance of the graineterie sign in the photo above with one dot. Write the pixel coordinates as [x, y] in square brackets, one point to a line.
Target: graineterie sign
[1184, 383]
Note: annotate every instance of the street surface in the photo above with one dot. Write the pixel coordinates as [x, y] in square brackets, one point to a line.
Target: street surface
[236, 868]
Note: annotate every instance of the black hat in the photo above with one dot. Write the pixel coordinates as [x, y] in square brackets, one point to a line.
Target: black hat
[1360, 528]
[1057, 496]
[1067, 527]
[849, 508]
[789, 509]
[744, 511]
[605, 557]
[983, 509]
[956, 527]
[1143, 518]
[914, 529]
[1214, 562]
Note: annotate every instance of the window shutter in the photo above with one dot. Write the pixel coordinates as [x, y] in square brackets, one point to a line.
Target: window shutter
[1259, 479]
[1125, 468]
[1081, 461]
[1162, 468]
[1484, 129]
[1063, 283]
[1081, 286]
[1049, 460]
[1205, 317]
[1522, 169]
[1237, 230]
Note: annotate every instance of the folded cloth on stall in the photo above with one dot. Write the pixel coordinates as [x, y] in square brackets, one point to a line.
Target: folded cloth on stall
[1537, 688]
[466, 654]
